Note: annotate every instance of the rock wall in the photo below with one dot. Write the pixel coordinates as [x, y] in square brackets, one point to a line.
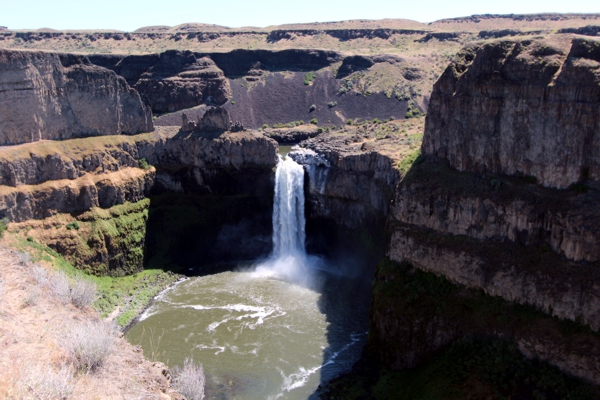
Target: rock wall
[49, 96]
[415, 314]
[181, 80]
[347, 195]
[263, 86]
[511, 124]
[520, 107]
[202, 191]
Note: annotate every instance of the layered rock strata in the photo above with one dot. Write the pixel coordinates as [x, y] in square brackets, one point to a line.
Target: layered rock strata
[182, 80]
[51, 96]
[347, 192]
[511, 124]
[527, 107]
[94, 196]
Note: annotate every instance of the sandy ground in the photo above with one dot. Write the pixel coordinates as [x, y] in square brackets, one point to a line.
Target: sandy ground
[33, 320]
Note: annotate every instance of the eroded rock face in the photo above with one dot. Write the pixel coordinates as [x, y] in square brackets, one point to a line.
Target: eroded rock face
[181, 80]
[42, 179]
[360, 182]
[347, 199]
[505, 114]
[50, 96]
[215, 119]
[529, 107]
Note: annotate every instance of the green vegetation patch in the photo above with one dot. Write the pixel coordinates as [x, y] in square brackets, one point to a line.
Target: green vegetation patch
[125, 296]
[113, 239]
[407, 162]
[309, 77]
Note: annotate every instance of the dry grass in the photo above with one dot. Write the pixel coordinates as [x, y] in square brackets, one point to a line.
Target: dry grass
[46, 383]
[189, 380]
[88, 344]
[36, 360]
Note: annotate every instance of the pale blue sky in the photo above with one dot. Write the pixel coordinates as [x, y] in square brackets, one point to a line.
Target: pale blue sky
[130, 15]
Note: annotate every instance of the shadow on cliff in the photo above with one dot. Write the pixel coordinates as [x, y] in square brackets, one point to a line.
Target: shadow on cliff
[345, 290]
[205, 220]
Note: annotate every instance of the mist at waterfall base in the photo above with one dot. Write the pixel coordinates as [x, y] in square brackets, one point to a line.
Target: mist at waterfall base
[289, 260]
[272, 330]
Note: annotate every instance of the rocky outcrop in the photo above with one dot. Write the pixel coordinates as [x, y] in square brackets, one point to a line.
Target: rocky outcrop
[501, 107]
[181, 80]
[210, 187]
[493, 207]
[77, 174]
[342, 34]
[215, 119]
[292, 135]
[345, 183]
[78, 195]
[347, 198]
[510, 125]
[50, 96]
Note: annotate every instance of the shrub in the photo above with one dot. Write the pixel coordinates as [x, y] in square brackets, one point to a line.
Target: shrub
[32, 297]
[309, 77]
[83, 293]
[189, 380]
[3, 226]
[312, 108]
[376, 121]
[349, 122]
[45, 384]
[232, 102]
[60, 288]
[73, 225]
[143, 164]
[345, 87]
[88, 344]
[40, 275]
[24, 258]
[320, 130]
[332, 104]
[265, 126]
[314, 121]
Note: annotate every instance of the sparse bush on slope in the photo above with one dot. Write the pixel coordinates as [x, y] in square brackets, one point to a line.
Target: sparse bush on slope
[189, 379]
[88, 344]
[45, 383]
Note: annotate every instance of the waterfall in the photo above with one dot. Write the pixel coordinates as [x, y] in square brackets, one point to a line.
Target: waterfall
[288, 210]
[289, 259]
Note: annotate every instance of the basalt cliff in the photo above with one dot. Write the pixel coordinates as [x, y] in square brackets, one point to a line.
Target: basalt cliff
[59, 96]
[501, 207]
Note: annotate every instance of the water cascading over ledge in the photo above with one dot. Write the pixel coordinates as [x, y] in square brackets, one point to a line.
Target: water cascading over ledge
[288, 210]
[288, 258]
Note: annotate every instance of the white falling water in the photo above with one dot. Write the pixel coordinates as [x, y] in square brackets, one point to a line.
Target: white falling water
[288, 210]
[289, 259]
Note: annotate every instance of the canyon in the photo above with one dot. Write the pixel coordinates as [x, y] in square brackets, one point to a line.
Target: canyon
[466, 184]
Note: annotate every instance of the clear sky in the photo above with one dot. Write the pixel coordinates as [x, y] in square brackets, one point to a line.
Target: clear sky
[129, 15]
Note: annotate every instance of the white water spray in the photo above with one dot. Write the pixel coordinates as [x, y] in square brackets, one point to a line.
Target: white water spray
[289, 258]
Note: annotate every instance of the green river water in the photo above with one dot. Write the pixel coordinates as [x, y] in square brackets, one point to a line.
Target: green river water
[257, 336]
